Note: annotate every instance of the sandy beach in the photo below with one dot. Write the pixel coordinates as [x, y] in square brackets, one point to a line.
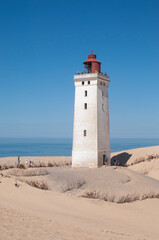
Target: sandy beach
[117, 202]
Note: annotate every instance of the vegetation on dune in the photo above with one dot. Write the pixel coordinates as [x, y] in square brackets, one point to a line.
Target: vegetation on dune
[143, 159]
[38, 184]
[125, 198]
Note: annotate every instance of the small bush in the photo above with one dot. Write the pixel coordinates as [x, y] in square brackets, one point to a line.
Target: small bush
[5, 167]
[29, 172]
[70, 184]
[37, 184]
[127, 198]
[50, 164]
[143, 159]
[91, 194]
[150, 157]
[21, 166]
[36, 172]
[41, 164]
[54, 164]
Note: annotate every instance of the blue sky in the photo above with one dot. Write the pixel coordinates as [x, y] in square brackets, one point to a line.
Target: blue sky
[42, 45]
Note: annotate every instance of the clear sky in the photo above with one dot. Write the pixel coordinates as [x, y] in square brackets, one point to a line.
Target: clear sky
[42, 45]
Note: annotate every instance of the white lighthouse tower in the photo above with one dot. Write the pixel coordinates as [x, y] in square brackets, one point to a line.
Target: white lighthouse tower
[91, 138]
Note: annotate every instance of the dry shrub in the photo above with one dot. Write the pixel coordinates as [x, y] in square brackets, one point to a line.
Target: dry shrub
[36, 172]
[98, 195]
[69, 184]
[66, 181]
[22, 166]
[41, 185]
[8, 166]
[143, 159]
[152, 156]
[36, 165]
[29, 172]
[41, 164]
[59, 163]
[68, 163]
[91, 194]
[128, 198]
[137, 160]
[133, 197]
[121, 199]
[51, 164]
[5, 167]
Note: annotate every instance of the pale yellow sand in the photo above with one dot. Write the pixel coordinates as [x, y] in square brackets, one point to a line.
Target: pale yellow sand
[149, 167]
[137, 154]
[29, 213]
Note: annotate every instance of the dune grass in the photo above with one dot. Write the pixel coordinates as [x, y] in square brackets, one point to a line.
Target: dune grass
[38, 184]
[143, 159]
[28, 172]
[125, 198]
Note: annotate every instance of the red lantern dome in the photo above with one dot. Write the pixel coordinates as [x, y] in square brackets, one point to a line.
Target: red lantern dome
[92, 64]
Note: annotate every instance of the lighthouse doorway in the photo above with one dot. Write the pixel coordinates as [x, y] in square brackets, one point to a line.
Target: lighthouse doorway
[104, 159]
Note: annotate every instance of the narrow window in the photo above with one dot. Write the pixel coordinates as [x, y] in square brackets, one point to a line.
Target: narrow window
[103, 107]
[85, 133]
[103, 84]
[102, 94]
[100, 83]
[83, 83]
[88, 82]
[85, 93]
[85, 106]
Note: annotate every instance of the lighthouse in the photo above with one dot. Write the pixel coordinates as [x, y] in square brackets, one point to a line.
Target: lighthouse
[91, 137]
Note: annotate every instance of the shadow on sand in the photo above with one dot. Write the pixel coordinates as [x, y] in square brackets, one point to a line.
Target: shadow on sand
[120, 159]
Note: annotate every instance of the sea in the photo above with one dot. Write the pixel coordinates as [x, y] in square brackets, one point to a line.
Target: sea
[11, 147]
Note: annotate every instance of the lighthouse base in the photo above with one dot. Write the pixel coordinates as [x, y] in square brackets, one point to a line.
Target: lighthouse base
[91, 159]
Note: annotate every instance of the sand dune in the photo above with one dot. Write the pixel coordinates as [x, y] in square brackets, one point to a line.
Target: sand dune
[141, 160]
[12, 161]
[30, 213]
[134, 156]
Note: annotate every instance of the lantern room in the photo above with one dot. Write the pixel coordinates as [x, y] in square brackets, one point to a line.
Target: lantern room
[92, 65]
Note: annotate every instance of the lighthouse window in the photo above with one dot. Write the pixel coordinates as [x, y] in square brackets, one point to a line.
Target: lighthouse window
[88, 82]
[85, 93]
[85, 106]
[85, 133]
[103, 107]
[83, 83]
[100, 83]
[102, 94]
[103, 84]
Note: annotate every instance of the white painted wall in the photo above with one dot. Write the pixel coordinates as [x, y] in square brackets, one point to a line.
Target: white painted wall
[88, 151]
[103, 122]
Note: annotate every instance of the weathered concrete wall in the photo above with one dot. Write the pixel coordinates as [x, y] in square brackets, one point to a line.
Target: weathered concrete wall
[88, 150]
[103, 121]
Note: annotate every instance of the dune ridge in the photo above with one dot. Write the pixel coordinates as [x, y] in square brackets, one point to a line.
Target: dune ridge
[61, 213]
